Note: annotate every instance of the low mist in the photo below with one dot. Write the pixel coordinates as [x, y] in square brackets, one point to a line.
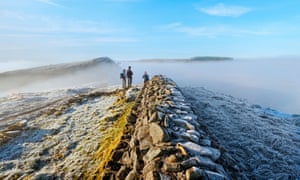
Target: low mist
[271, 83]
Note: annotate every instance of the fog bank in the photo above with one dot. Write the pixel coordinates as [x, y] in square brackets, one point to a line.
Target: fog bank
[269, 82]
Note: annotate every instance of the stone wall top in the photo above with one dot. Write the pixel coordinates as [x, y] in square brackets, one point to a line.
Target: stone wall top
[163, 139]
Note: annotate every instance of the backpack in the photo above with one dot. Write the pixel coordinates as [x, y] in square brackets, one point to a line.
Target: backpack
[129, 73]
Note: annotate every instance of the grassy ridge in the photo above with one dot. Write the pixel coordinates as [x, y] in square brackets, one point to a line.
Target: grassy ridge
[111, 136]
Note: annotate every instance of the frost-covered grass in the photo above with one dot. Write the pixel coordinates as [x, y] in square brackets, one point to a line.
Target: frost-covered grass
[59, 140]
[259, 143]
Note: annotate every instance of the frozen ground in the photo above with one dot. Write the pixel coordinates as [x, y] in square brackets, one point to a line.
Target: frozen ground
[50, 134]
[54, 133]
[259, 143]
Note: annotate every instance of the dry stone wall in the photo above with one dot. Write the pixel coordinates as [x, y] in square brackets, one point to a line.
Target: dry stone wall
[163, 139]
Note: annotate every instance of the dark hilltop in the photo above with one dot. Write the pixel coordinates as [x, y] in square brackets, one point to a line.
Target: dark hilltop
[187, 60]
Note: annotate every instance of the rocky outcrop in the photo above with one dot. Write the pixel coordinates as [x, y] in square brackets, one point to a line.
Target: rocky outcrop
[163, 139]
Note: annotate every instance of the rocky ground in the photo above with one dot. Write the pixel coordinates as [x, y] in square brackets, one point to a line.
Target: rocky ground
[163, 139]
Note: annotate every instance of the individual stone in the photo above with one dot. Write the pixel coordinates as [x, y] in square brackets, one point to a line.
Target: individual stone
[158, 134]
[151, 166]
[190, 117]
[151, 154]
[189, 163]
[200, 162]
[194, 173]
[190, 137]
[145, 143]
[172, 167]
[205, 142]
[196, 149]
[183, 107]
[183, 124]
[132, 175]
[142, 132]
[175, 93]
[194, 132]
[181, 112]
[214, 175]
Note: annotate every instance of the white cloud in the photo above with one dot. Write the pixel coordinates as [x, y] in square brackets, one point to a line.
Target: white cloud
[50, 2]
[225, 10]
[213, 31]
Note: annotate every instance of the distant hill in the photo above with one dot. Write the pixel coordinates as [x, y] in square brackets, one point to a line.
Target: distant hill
[210, 58]
[58, 69]
[63, 75]
[193, 59]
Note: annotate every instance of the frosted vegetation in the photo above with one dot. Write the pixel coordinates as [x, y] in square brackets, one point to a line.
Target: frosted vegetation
[59, 134]
[259, 143]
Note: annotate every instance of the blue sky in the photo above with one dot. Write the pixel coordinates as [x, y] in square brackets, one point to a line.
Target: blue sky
[50, 31]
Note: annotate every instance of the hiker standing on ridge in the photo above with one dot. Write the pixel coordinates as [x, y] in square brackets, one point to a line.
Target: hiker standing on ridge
[145, 77]
[129, 74]
[123, 78]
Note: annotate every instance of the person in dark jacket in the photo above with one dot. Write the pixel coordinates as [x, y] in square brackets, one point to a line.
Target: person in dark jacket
[123, 78]
[145, 77]
[129, 74]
